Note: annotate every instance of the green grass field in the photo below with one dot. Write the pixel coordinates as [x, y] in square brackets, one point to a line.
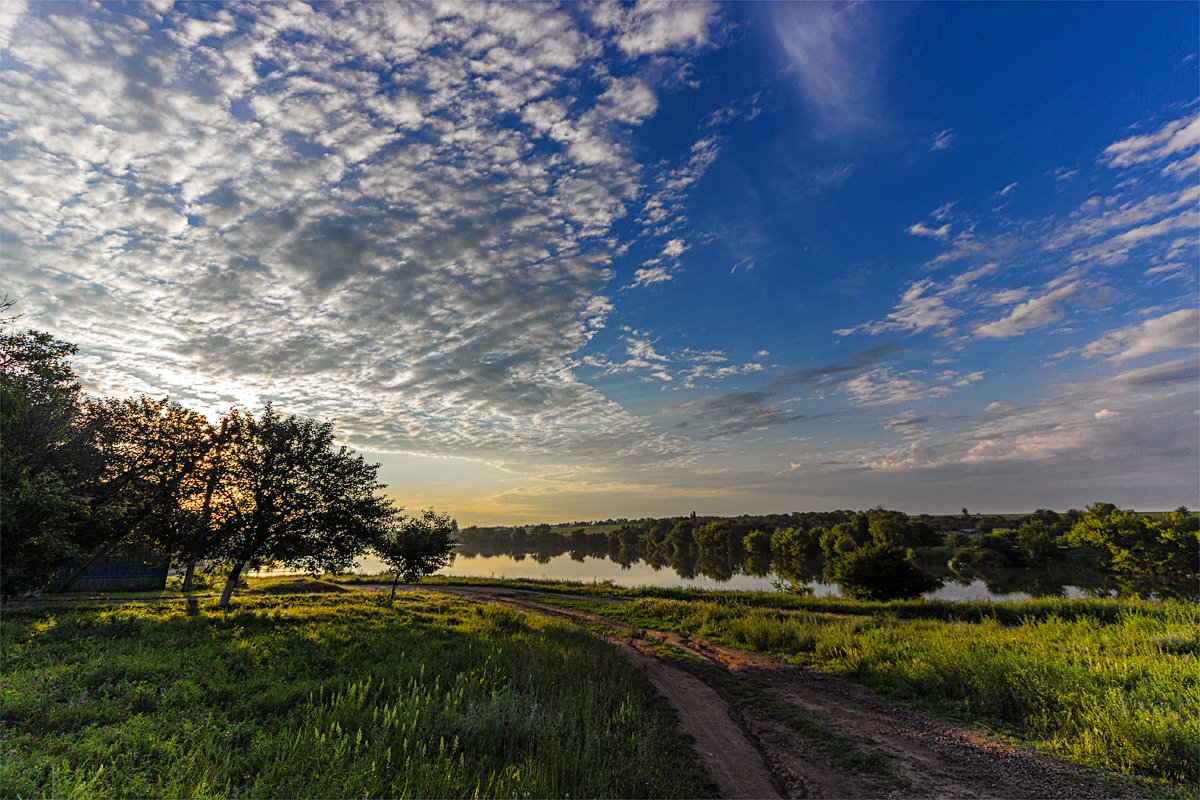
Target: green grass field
[1114, 689]
[332, 695]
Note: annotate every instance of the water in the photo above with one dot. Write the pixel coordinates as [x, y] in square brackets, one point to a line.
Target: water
[589, 569]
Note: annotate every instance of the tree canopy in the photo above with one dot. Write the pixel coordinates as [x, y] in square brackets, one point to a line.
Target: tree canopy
[80, 476]
[416, 546]
[290, 496]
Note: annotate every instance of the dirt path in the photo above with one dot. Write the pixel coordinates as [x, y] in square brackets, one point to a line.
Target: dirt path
[879, 748]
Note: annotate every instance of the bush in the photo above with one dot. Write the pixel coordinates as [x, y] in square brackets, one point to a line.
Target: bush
[881, 572]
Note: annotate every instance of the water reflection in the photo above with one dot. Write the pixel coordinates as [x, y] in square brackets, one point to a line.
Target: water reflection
[753, 573]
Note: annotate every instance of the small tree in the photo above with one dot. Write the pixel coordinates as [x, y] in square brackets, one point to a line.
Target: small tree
[1165, 548]
[417, 546]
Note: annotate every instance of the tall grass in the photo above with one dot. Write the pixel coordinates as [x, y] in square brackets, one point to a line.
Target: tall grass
[326, 696]
[1121, 695]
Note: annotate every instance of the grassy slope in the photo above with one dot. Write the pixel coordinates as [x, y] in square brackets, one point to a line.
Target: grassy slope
[325, 696]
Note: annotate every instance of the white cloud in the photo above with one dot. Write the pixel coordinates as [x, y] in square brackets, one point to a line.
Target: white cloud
[884, 386]
[921, 229]
[1031, 314]
[656, 26]
[942, 140]
[10, 17]
[918, 310]
[1139, 219]
[1172, 331]
[650, 276]
[674, 248]
[1174, 137]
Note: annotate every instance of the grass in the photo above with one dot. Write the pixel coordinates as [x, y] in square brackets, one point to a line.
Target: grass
[326, 695]
[1119, 694]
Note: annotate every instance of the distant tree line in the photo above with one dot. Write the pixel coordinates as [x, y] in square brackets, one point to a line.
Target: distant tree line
[882, 554]
[82, 477]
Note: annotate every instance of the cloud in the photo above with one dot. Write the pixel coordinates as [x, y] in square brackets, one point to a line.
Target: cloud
[1033, 313]
[942, 140]
[920, 229]
[1172, 331]
[1112, 433]
[834, 50]
[1075, 257]
[918, 310]
[906, 420]
[656, 26]
[392, 214]
[885, 386]
[674, 248]
[840, 371]
[650, 276]
[732, 414]
[663, 211]
[1176, 136]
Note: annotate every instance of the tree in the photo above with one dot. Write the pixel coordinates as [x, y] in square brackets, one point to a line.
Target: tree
[148, 458]
[1163, 549]
[43, 459]
[880, 572]
[287, 495]
[416, 546]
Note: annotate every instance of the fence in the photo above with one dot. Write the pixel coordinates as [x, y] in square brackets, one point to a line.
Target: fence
[117, 574]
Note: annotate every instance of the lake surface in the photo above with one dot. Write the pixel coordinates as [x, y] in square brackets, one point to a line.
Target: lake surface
[590, 568]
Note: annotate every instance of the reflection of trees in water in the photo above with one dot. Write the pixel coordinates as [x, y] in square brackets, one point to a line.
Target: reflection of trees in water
[798, 556]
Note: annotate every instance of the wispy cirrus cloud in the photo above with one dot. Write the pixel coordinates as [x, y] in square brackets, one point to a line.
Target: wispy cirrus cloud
[834, 50]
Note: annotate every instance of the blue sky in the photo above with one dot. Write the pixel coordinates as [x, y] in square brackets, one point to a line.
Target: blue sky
[571, 262]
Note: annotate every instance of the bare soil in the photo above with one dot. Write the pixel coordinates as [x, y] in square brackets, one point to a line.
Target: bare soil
[750, 753]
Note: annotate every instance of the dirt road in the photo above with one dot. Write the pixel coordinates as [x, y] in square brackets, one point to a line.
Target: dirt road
[785, 731]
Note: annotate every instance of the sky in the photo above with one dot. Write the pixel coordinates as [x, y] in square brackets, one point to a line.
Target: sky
[556, 263]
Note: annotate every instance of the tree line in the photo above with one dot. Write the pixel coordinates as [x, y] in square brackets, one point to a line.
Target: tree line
[884, 554]
[82, 477]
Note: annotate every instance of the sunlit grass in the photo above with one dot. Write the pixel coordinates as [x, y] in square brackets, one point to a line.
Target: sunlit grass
[1122, 695]
[326, 696]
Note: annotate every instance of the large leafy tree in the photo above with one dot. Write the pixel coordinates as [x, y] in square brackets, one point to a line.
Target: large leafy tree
[149, 460]
[44, 459]
[287, 495]
[416, 546]
[1160, 552]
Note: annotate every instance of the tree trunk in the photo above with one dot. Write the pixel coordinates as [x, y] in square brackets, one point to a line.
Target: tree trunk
[100, 553]
[392, 599]
[234, 576]
[189, 574]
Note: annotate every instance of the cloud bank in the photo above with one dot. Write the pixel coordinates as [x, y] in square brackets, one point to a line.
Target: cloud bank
[401, 215]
